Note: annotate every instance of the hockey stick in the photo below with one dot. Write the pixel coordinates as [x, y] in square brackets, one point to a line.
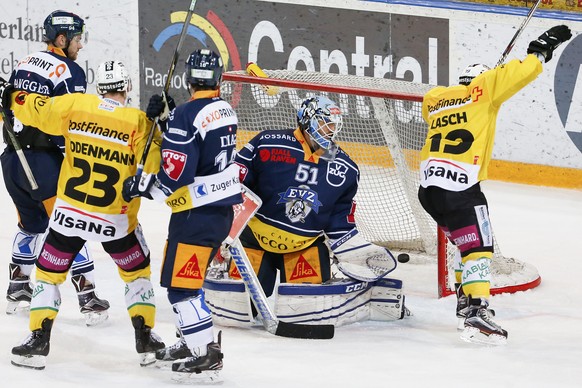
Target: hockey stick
[19, 152]
[169, 75]
[243, 214]
[518, 32]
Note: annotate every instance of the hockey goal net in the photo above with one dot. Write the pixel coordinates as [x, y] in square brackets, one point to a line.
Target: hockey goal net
[383, 132]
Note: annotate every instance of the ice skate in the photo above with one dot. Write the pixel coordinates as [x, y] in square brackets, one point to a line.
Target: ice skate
[480, 327]
[166, 356]
[93, 308]
[204, 369]
[462, 306]
[34, 349]
[146, 341]
[19, 291]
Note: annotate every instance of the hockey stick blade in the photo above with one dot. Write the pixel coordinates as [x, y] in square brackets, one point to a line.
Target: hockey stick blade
[297, 330]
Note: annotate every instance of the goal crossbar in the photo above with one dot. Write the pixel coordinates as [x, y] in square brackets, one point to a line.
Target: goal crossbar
[330, 88]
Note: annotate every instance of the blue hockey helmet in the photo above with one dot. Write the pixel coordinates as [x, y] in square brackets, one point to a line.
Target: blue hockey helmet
[62, 22]
[204, 68]
[321, 118]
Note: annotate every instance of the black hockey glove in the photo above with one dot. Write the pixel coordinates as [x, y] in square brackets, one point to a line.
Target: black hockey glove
[549, 41]
[6, 90]
[160, 106]
[136, 186]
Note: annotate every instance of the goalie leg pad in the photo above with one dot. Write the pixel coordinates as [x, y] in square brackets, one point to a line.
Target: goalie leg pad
[229, 302]
[387, 301]
[341, 302]
[337, 303]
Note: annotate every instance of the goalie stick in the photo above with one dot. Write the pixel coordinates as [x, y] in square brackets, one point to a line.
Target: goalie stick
[242, 215]
[150, 138]
[19, 152]
[518, 33]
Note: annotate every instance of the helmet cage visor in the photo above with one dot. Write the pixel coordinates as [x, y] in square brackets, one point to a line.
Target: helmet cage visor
[324, 127]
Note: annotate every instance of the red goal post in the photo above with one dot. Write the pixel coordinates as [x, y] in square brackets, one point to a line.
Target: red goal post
[383, 132]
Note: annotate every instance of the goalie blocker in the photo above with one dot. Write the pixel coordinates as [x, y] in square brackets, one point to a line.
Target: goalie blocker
[340, 302]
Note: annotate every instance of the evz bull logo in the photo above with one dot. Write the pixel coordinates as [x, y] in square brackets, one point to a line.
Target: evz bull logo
[299, 201]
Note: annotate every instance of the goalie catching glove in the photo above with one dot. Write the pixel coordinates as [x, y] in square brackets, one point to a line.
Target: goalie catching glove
[549, 41]
[360, 259]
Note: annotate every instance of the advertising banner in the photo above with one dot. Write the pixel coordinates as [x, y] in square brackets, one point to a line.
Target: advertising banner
[292, 36]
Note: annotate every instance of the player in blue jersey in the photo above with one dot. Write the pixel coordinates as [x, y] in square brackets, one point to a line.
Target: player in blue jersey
[199, 182]
[52, 72]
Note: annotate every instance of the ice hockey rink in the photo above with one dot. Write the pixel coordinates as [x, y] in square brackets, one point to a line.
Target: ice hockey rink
[536, 224]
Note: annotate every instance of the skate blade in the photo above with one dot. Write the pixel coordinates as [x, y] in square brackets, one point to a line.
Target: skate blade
[94, 318]
[205, 377]
[475, 336]
[147, 359]
[16, 307]
[164, 364]
[461, 324]
[30, 362]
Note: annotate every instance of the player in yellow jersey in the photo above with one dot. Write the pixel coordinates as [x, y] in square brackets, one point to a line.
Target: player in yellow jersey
[461, 129]
[51, 72]
[104, 141]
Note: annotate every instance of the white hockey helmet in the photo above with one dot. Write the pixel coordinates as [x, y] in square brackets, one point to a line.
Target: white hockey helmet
[471, 72]
[112, 76]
